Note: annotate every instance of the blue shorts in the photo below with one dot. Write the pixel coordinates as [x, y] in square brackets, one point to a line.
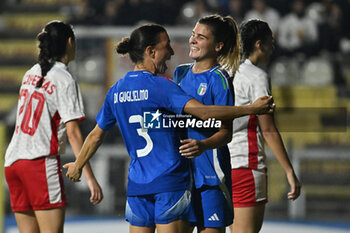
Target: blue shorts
[213, 206]
[159, 208]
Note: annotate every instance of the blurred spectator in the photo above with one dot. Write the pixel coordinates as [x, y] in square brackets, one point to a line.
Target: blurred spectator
[157, 11]
[149, 11]
[330, 29]
[111, 11]
[170, 11]
[217, 6]
[237, 10]
[345, 41]
[192, 11]
[2, 5]
[223, 5]
[265, 13]
[282, 6]
[297, 32]
[128, 13]
[85, 14]
[330, 34]
[345, 6]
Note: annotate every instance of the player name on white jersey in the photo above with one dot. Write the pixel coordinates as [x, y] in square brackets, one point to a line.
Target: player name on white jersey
[31, 79]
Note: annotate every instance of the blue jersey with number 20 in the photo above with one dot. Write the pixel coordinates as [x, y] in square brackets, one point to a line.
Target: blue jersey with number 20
[156, 165]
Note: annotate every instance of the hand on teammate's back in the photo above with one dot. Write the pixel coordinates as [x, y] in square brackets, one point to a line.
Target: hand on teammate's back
[264, 105]
[191, 148]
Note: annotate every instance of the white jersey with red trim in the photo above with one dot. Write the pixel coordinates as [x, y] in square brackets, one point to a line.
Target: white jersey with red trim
[42, 113]
[247, 145]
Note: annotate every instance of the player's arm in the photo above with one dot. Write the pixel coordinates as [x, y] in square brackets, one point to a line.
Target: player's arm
[192, 148]
[76, 141]
[91, 144]
[261, 106]
[274, 141]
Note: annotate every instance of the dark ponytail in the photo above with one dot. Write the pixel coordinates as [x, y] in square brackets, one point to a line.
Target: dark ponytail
[143, 36]
[52, 45]
[123, 46]
[44, 58]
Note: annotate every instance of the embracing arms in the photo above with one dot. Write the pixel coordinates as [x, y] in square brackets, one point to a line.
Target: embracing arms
[261, 106]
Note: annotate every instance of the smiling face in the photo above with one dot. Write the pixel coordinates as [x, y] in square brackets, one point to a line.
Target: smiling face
[202, 45]
[162, 52]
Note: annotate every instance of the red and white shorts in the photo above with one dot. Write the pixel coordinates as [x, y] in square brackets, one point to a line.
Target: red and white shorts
[249, 187]
[35, 184]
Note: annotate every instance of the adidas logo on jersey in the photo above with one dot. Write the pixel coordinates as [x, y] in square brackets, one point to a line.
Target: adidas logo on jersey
[214, 217]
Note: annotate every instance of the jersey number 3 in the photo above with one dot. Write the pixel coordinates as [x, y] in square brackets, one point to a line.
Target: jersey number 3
[142, 133]
[31, 120]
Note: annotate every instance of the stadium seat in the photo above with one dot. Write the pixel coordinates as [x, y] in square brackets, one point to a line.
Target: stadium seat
[305, 96]
[8, 101]
[30, 21]
[317, 72]
[17, 48]
[91, 69]
[284, 72]
[12, 75]
[50, 1]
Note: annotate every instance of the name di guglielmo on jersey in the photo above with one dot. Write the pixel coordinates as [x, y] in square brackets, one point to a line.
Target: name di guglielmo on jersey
[130, 96]
[158, 120]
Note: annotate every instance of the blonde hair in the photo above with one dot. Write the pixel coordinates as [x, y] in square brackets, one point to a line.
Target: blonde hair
[225, 29]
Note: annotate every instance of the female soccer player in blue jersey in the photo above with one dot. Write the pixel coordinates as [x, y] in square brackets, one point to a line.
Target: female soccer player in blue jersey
[158, 193]
[214, 45]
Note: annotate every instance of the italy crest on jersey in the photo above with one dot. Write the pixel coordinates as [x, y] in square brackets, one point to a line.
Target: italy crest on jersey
[202, 89]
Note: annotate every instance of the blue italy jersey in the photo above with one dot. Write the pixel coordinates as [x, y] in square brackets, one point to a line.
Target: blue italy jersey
[210, 88]
[136, 101]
